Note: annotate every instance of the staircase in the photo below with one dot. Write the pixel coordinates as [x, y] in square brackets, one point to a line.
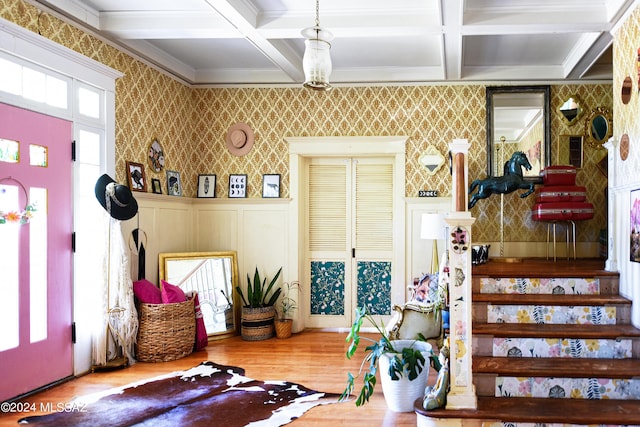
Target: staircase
[553, 346]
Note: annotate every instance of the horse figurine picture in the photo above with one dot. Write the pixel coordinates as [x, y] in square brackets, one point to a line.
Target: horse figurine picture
[511, 181]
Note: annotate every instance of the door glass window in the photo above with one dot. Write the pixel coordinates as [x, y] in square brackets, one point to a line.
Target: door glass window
[38, 264]
[9, 303]
[38, 155]
[89, 102]
[9, 151]
[11, 81]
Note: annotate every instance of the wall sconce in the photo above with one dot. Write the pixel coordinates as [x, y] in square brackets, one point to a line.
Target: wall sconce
[432, 160]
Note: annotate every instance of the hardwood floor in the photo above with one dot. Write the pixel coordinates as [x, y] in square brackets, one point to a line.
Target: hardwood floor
[314, 359]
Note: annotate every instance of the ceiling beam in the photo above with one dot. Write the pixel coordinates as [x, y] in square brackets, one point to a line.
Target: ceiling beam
[452, 16]
[244, 20]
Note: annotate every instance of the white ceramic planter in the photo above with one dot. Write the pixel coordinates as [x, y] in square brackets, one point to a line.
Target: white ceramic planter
[400, 395]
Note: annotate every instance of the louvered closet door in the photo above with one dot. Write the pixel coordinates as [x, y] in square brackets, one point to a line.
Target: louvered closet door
[350, 239]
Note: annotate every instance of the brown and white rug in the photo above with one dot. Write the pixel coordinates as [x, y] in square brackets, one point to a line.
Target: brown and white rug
[206, 395]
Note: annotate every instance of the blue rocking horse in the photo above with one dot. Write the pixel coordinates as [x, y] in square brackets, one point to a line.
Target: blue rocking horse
[511, 181]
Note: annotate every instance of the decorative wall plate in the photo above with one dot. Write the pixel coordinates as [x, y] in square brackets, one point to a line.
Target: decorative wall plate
[624, 147]
[156, 156]
[625, 93]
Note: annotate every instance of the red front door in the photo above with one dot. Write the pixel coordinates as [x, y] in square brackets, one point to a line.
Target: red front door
[35, 257]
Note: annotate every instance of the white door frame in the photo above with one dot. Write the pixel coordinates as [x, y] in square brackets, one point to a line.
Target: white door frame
[347, 146]
[22, 43]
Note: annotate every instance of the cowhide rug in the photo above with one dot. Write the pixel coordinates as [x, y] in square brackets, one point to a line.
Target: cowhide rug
[206, 395]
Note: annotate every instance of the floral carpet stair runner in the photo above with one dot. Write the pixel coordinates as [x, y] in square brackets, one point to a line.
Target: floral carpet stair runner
[532, 306]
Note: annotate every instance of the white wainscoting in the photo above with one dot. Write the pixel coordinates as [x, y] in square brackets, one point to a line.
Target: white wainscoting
[257, 229]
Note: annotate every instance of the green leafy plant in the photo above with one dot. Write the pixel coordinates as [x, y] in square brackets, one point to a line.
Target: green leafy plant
[287, 304]
[409, 359]
[259, 294]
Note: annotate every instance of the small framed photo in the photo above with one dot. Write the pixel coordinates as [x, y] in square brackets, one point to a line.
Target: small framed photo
[156, 187]
[271, 185]
[237, 186]
[135, 177]
[174, 186]
[207, 186]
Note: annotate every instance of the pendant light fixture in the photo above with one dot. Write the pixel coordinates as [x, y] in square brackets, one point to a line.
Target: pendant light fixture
[316, 62]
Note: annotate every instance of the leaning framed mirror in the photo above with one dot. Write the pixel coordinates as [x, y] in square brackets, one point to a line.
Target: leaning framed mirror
[518, 119]
[214, 276]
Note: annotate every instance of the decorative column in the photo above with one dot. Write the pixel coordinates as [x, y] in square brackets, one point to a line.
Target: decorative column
[462, 393]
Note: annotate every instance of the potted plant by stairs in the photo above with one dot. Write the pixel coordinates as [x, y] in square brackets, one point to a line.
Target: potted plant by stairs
[403, 366]
[286, 306]
[258, 310]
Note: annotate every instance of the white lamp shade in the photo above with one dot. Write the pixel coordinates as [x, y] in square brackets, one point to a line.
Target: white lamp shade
[432, 226]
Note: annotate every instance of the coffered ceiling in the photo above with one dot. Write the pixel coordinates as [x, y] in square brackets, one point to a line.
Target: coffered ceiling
[258, 42]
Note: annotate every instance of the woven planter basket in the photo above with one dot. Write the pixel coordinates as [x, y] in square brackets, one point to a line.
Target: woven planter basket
[283, 328]
[257, 323]
[166, 331]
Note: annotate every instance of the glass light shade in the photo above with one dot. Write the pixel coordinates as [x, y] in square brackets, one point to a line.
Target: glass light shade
[316, 62]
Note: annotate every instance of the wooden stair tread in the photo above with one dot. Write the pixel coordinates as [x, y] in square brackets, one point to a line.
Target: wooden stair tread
[535, 330]
[551, 299]
[560, 367]
[542, 268]
[540, 410]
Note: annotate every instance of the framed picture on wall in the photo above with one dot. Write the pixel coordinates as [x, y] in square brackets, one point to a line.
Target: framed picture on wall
[156, 187]
[237, 186]
[135, 177]
[634, 226]
[174, 186]
[207, 186]
[271, 185]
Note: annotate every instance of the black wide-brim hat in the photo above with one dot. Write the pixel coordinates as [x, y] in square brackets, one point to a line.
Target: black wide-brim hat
[116, 198]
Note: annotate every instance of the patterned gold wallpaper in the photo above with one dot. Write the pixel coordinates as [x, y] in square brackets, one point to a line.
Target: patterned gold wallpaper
[191, 124]
[626, 56]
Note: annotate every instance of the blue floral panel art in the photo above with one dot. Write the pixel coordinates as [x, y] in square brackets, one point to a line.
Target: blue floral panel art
[327, 287]
[374, 286]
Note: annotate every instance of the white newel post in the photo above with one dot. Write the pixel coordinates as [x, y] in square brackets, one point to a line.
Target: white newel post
[462, 393]
[612, 254]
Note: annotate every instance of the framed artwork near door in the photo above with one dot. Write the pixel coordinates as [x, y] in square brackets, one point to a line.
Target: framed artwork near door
[207, 186]
[271, 185]
[135, 177]
[174, 186]
[156, 187]
[237, 186]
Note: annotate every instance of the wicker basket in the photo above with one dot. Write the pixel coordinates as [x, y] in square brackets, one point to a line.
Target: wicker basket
[166, 331]
[257, 323]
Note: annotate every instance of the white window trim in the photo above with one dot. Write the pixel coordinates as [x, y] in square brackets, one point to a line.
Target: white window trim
[33, 47]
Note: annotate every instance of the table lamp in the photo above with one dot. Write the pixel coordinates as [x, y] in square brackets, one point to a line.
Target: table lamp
[432, 227]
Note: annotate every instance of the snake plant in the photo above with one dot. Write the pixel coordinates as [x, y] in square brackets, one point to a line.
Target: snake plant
[259, 294]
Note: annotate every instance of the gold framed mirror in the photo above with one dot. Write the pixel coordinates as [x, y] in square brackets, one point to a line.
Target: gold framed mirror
[214, 275]
[598, 127]
[571, 110]
[518, 119]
